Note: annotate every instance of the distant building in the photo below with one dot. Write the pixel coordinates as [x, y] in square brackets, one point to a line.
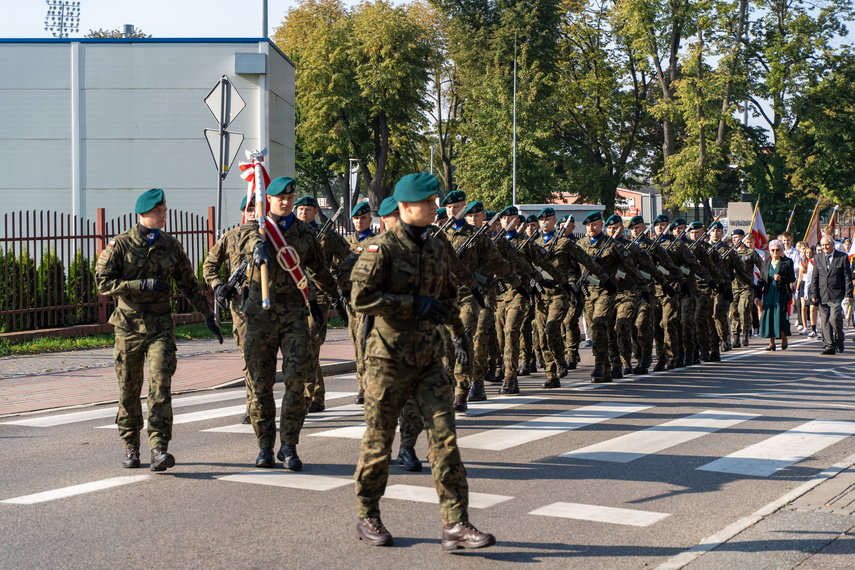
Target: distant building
[645, 201]
[90, 123]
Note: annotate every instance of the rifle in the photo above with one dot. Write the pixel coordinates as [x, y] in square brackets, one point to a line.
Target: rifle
[465, 245]
[236, 280]
[499, 235]
[558, 231]
[656, 241]
[528, 240]
[447, 224]
[330, 221]
[678, 238]
[577, 287]
[728, 251]
[701, 239]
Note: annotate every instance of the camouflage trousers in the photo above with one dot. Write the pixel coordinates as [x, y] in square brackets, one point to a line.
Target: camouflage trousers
[721, 310]
[388, 386]
[481, 340]
[130, 352]
[620, 328]
[740, 310]
[494, 353]
[687, 323]
[642, 330]
[599, 306]
[509, 320]
[703, 317]
[315, 389]
[469, 314]
[265, 337]
[551, 312]
[666, 327]
[354, 327]
[412, 424]
[239, 332]
[527, 336]
[572, 330]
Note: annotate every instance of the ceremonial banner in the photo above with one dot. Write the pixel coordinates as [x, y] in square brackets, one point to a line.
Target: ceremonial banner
[814, 232]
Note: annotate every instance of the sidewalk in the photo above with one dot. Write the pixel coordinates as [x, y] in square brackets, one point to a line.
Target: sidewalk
[85, 377]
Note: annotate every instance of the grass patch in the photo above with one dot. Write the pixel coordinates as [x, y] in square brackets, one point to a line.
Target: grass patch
[42, 345]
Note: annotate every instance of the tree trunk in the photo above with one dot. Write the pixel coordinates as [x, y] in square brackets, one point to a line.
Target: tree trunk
[381, 156]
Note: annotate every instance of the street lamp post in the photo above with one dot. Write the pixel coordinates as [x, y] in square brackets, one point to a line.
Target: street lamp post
[431, 159]
[62, 17]
[514, 179]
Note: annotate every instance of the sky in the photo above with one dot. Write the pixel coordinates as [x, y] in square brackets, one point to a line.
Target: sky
[160, 18]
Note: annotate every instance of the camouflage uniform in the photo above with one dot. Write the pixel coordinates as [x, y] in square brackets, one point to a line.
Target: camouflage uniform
[144, 327]
[732, 269]
[357, 243]
[703, 317]
[693, 270]
[283, 327]
[226, 249]
[404, 357]
[572, 331]
[658, 266]
[743, 288]
[666, 308]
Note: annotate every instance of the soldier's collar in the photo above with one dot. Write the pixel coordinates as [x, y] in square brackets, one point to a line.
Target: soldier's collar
[458, 224]
[511, 234]
[596, 238]
[416, 233]
[363, 234]
[548, 236]
[148, 234]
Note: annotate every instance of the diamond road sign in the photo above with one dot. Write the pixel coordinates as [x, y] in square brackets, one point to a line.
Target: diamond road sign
[224, 101]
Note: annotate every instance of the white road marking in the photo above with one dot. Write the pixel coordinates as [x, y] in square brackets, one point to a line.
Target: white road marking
[289, 479]
[325, 416]
[75, 490]
[539, 428]
[634, 445]
[497, 404]
[101, 413]
[599, 513]
[428, 495]
[349, 432]
[766, 457]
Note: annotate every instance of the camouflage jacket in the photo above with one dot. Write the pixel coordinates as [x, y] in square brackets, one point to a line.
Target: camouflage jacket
[388, 275]
[664, 263]
[126, 260]
[644, 263]
[518, 261]
[536, 255]
[481, 255]
[284, 295]
[749, 259]
[730, 264]
[335, 251]
[687, 262]
[704, 255]
[226, 249]
[568, 257]
[465, 278]
[615, 261]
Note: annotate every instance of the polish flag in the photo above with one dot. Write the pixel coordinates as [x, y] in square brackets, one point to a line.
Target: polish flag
[758, 230]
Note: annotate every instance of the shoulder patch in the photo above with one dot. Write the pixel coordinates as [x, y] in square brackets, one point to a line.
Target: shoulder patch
[373, 248]
[359, 249]
[625, 253]
[111, 243]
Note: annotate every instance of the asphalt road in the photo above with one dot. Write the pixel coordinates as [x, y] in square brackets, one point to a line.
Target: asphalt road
[624, 475]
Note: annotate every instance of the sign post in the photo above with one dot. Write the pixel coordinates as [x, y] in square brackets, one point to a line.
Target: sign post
[225, 103]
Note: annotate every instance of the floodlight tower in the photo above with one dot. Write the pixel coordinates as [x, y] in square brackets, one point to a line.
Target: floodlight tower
[62, 17]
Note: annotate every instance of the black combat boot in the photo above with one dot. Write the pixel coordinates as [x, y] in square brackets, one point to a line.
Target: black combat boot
[572, 361]
[672, 364]
[288, 456]
[407, 458]
[597, 372]
[132, 458]
[524, 370]
[745, 340]
[639, 370]
[372, 532]
[552, 383]
[715, 355]
[660, 366]
[562, 369]
[616, 372]
[736, 343]
[725, 346]
[464, 535]
[477, 392]
[460, 403]
[360, 397]
[160, 459]
[538, 361]
[507, 386]
[265, 458]
[316, 407]
[705, 355]
[628, 370]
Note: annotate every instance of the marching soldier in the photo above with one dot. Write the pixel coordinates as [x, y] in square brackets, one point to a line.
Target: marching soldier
[705, 333]
[335, 251]
[743, 289]
[139, 267]
[572, 331]
[361, 218]
[227, 294]
[529, 338]
[666, 309]
[284, 326]
[731, 268]
[402, 282]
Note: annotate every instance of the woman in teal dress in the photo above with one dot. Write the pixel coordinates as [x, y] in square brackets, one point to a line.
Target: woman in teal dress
[777, 275]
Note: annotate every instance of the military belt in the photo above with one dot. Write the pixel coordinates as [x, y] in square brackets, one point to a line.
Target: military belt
[283, 298]
[403, 325]
[162, 307]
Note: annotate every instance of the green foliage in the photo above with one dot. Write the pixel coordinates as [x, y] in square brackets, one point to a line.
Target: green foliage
[81, 289]
[50, 291]
[117, 33]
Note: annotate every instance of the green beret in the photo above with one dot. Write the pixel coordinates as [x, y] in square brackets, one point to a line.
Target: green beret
[474, 208]
[546, 212]
[739, 232]
[149, 200]
[441, 214]
[388, 206]
[717, 226]
[453, 197]
[416, 187]
[592, 217]
[696, 225]
[679, 222]
[521, 219]
[510, 211]
[306, 201]
[282, 185]
[564, 218]
[661, 218]
[636, 220]
[614, 219]
[243, 203]
[531, 219]
[359, 209]
[491, 214]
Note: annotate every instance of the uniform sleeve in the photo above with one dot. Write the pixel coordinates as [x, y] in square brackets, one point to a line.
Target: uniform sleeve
[494, 263]
[578, 255]
[367, 296]
[108, 273]
[688, 259]
[185, 279]
[461, 272]
[214, 261]
[706, 260]
[316, 265]
[519, 262]
[448, 298]
[739, 268]
[539, 258]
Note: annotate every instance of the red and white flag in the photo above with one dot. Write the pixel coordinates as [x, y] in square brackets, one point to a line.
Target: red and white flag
[758, 230]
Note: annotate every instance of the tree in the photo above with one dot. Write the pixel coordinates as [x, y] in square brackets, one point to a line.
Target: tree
[117, 33]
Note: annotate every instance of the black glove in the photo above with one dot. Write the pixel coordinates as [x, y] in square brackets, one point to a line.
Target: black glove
[317, 313]
[341, 309]
[224, 293]
[548, 283]
[154, 285]
[212, 326]
[713, 285]
[479, 298]
[646, 296]
[521, 290]
[461, 349]
[728, 294]
[570, 290]
[684, 289]
[758, 288]
[430, 309]
[668, 290]
[610, 286]
[261, 254]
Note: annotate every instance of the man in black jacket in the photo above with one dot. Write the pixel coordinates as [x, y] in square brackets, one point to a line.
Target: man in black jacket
[831, 282]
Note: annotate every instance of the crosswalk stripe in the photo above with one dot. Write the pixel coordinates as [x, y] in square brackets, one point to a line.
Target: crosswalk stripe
[599, 513]
[325, 416]
[631, 446]
[290, 480]
[75, 490]
[428, 495]
[509, 436]
[766, 457]
[348, 432]
[99, 414]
